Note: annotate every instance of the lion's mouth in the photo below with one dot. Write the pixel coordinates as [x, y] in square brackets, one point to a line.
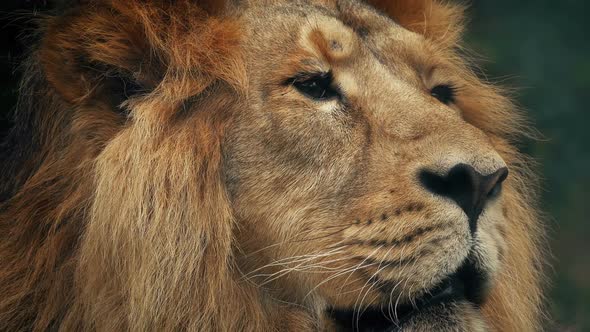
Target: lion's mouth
[467, 284]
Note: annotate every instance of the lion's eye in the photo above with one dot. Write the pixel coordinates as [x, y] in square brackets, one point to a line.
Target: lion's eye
[318, 86]
[444, 93]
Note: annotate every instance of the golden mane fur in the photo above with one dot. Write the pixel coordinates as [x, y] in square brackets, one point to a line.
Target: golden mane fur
[104, 170]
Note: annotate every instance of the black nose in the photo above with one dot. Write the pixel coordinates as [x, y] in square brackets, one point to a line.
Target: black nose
[467, 187]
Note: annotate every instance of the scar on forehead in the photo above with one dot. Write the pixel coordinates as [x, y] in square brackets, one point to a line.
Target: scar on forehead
[333, 40]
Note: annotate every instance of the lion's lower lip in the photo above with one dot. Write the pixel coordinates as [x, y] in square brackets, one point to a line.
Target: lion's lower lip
[466, 284]
[451, 289]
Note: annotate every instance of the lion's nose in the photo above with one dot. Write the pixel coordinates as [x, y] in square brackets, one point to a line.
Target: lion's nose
[467, 187]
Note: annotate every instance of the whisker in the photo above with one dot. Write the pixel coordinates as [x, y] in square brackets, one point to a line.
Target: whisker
[295, 240]
[296, 259]
[368, 282]
[379, 269]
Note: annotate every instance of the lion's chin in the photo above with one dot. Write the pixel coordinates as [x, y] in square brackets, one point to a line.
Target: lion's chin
[452, 305]
[455, 315]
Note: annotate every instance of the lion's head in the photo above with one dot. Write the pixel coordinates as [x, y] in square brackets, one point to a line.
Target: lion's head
[265, 165]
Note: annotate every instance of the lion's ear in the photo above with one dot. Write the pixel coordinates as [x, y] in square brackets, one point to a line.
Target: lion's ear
[113, 50]
[438, 20]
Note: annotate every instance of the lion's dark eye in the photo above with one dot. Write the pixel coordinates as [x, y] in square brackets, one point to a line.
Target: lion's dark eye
[444, 93]
[317, 86]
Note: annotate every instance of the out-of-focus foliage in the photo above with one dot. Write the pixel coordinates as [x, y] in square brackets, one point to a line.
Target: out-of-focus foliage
[541, 47]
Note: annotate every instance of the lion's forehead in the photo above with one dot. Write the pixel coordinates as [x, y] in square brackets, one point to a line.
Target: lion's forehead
[328, 31]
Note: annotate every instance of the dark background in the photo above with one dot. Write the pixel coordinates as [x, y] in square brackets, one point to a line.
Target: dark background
[540, 47]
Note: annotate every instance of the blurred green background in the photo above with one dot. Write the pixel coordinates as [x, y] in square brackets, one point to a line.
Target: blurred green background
[540, 47]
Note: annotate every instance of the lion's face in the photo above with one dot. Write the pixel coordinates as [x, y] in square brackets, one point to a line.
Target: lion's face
[356, 179]
[264, 165]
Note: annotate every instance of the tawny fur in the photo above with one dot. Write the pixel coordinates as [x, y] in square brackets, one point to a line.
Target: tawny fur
[115, 213]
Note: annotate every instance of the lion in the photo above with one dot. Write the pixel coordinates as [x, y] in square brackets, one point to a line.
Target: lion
[260, 165]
